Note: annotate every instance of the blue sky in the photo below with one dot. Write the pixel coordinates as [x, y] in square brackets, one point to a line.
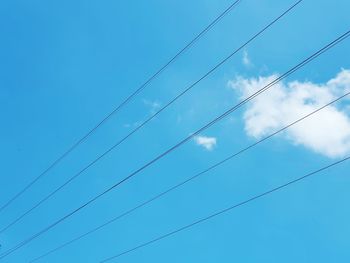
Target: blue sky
[66, 64]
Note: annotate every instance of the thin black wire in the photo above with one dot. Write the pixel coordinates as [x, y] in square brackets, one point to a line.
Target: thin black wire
[144, 123]
[202, 220]
[292, 70]
[185, 181]
[125, 102]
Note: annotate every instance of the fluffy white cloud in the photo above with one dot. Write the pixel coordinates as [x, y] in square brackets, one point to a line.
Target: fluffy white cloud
[207, 142]
[327, 132]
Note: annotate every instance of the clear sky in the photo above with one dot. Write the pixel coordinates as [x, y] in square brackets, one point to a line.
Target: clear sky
[66, 64]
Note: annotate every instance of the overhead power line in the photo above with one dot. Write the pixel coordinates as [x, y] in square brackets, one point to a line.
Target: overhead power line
[228, 209]
[123, 103]
[113, 220]
[13, 222]
[226, 113]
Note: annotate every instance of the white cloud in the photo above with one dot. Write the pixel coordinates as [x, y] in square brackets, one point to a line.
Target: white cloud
[245, 59]
[207, 142]
[327, 132]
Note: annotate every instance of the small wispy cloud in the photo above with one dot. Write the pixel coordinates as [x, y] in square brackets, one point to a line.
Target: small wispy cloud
[132, 125]
[153, 105]
[246, 59]
[327, 132]
[207, 143]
